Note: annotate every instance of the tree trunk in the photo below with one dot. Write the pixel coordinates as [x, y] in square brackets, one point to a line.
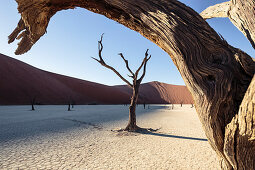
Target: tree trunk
[216, 73]
[239, 142]
[132, 110]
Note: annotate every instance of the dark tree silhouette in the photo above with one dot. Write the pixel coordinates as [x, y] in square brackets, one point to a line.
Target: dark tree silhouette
[33, 102]
[69, 107]
[135, 85]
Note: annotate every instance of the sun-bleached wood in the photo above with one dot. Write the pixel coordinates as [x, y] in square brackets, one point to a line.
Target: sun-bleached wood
[241, 13]
[216, 73]
[216, 11]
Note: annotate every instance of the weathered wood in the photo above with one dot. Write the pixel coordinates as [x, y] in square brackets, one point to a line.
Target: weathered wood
[216, 73]
[216, 11]
[239, 144]
[241, 13]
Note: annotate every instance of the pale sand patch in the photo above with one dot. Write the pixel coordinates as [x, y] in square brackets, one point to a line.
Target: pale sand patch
[81, 140]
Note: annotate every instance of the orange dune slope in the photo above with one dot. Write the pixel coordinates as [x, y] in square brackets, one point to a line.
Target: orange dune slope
[20, 83]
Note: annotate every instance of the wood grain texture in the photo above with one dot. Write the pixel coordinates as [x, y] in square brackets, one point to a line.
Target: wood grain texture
[216, 73]
[239, 145]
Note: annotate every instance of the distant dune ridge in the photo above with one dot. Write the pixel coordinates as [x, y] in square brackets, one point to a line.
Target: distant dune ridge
[20, 83]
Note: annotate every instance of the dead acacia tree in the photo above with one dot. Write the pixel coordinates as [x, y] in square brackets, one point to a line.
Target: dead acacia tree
[181, 103]
[69, 107]
[135, 85]
[217, 74]
[33, 102]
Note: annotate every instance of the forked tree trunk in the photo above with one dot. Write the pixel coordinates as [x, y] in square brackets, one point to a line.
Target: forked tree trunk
[216, 73]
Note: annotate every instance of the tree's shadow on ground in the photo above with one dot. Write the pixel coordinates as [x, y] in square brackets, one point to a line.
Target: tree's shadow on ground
[153, 132]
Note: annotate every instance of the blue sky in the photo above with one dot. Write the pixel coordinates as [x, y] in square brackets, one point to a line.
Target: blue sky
[71, 41]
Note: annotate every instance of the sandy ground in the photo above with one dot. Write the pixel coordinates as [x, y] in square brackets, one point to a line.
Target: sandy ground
[53, 138]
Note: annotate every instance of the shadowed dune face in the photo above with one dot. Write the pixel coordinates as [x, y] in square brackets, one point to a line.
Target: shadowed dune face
[161, 93]
[20, 83]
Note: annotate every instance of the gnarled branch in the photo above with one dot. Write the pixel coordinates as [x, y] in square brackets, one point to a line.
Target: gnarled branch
[144, 63]
[102, 62]
[126, 61]
[144, 60]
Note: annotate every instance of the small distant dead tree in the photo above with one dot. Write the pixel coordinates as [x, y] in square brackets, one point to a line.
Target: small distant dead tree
[73, 103]
[181, 103]
[135, 85]
[69, 107]
[169, 103]
[33, 102]
[70, 103]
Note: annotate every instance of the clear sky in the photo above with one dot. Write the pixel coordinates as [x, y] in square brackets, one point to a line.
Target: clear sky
[71, 41]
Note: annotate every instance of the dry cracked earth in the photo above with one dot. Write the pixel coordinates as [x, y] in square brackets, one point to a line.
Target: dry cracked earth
[53, 138]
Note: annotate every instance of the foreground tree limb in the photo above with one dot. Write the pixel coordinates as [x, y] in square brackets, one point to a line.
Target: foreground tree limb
[135, 85]
[216, 73]
[241, 13]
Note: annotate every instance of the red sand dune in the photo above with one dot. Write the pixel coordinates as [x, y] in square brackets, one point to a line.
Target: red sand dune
[20, 83]
[161, 93]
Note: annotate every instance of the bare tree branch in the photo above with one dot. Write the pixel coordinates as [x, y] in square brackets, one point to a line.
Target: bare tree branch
[126, 61]
[216, 11]
[102, 62]
[144, 60]
[144, 68]
[100, 49]
[238, 13]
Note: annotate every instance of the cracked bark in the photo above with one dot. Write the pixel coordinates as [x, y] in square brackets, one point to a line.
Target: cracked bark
[216, 73]
[239, 144]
